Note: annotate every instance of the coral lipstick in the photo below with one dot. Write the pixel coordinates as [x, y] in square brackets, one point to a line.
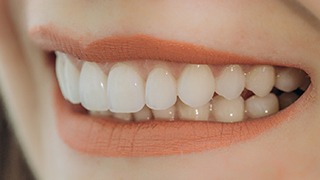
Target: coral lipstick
[101, 136]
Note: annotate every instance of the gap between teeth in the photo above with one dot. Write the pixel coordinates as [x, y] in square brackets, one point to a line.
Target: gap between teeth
[151, 90]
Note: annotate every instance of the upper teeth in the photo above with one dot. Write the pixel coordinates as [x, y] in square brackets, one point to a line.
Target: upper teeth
[152, 91]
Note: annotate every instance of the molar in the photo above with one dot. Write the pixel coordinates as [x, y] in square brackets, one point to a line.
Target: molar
[257, 107]
[289, 79]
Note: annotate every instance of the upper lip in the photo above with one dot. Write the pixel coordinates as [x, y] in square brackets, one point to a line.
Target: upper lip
[141, 47]
[153, 137]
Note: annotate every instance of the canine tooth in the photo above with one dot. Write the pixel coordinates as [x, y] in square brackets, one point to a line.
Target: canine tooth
[169, 113]
[161, 89]
[125, 89]
[196, 85]
[260, 80]
[93, 87]
[257, 107]
[123, 116]
[225, 110]
[286, 99]
[289, 79]
[60, 63]
[72, 81]
[231, 82]
[144, 114]
[189, 113]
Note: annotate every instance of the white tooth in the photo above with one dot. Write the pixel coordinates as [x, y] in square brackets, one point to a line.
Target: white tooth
[125, 89]
[72, 74]
[286, 99]
[196, 85]
[100, 113]
[225, 110]
[289, 79]
[161, 89]
[167, 114]
[60, 63]
[257, 107]
[189, 113]
[143, 115]
[260, 80]
[93, 87]
[230, 82]
[123, 116]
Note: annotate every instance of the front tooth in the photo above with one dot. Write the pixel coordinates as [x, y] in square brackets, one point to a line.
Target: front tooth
[225, 110]
[189, 113]
[161, 89]
[289, 79]
[286, 99]
[60, 63]
[257, 107]
[143, 115]
[260, 80]
[72, 82]
[125, 89]
[123, 116]
[196, 85]
[231, 82]
[93, 87]
[169, 113]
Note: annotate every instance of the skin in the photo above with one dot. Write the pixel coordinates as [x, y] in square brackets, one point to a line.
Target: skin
[262, 29]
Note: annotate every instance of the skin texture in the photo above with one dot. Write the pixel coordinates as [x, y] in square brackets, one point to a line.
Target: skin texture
[261, 29]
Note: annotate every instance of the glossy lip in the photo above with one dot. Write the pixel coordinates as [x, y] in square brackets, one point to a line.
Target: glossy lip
[111, 138]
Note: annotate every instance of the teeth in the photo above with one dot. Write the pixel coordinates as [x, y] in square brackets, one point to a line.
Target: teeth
[190, 113]
[289, 79]
[225, 110]
[72, 74]
[123, 116]
[169, 113]
[60, 64]
[100, 113]
[231, 82]
[93, 87]
[161, 89]
[196, 85]
[286, 99]
[144, 114]
[260, 80]
[257, 107]
[121, 92]
[125, 89]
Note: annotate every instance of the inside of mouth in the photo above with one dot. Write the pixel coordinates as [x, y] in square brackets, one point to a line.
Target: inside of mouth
[147, 90]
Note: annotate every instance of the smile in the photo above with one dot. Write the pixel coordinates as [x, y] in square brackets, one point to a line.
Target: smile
[142, 96]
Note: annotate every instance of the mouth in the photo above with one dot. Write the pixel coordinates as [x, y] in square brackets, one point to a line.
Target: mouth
[141, 96]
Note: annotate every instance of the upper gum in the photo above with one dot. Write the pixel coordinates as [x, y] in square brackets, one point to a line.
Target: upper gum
[175, 68]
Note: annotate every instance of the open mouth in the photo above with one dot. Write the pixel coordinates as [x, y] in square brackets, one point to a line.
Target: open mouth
[154, 99]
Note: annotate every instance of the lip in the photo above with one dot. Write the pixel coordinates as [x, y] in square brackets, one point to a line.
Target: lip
[110, 138]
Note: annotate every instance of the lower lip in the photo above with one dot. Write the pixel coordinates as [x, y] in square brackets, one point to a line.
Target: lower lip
[99, 136]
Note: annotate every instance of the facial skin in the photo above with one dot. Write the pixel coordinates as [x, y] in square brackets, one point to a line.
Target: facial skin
[261, 29]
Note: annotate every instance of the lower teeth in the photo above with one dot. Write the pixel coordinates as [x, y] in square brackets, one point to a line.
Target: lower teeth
[128, 95]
